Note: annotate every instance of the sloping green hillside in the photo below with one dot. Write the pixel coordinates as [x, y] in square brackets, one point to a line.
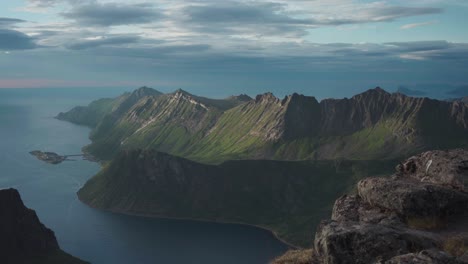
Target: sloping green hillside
[289, 198]
[371, 125]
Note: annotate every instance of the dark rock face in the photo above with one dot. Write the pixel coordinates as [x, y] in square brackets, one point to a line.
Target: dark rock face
[22, 234]
[432, 256]
[407, 218]
[439, 167]
[23, 238]
[352, 242]
[412, 199]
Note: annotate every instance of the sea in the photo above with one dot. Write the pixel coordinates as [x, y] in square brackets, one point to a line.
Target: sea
[27, 123]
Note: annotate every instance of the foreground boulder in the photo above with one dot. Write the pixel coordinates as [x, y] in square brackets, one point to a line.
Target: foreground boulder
[352, 242]
[439, 167]
[432, 256]
[23, 238]
[410, 217]
[412, 199]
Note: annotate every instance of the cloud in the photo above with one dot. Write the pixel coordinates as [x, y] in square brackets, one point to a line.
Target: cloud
[113, 14]
[15, 40]
[414, 25]
[416, 46]
[103, 41]
[177, 53]
[277, 18]
[431, 50]
[5, 21]
[43, 3]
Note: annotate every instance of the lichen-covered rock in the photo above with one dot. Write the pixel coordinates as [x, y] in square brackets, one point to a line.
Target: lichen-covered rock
[448, 168]
[353, 208]
[346, 208]
[431, 256]
[412, 199]
[359, 243]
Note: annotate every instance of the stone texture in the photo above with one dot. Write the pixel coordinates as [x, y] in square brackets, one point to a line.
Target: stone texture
[439, 167]
[353, 242]
[432, 256]
[406, 218]
[412, 199]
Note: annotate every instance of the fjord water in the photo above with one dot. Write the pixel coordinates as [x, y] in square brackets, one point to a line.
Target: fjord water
[27, 123]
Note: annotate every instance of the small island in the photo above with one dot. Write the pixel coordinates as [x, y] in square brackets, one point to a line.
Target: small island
[49, 157]
[54, 158]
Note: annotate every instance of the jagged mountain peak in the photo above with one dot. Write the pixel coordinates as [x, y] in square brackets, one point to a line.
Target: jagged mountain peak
[182, 92]
[377, 91]
[240, 97]
[298, 98]
[266, 97]
[145, 91]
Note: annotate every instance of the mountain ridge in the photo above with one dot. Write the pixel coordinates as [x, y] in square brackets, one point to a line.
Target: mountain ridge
[372, 125]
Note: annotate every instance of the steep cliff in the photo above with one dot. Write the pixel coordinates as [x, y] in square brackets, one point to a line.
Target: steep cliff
[286, 197]
[23, 238]
[372, 125]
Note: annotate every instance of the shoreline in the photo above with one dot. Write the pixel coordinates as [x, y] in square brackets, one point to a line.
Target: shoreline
[275, 235]
[102, 163]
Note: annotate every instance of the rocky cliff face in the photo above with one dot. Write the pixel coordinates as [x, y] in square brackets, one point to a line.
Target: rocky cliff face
[372, 125]
[418, 215]
[23, 238]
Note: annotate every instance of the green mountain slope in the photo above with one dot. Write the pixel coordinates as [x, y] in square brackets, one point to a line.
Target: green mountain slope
[371, 125]
[289, 198]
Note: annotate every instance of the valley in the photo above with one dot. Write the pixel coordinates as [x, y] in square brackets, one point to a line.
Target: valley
[277, 164]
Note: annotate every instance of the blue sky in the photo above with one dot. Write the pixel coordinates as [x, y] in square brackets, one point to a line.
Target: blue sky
[327, 48]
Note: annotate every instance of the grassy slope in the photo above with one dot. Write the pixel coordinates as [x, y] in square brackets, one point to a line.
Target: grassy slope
[289, 198]
[231, 129]
[90, 115]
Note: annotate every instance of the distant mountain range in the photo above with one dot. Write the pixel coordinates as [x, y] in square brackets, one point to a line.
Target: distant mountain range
[372, 125]
[252, 145]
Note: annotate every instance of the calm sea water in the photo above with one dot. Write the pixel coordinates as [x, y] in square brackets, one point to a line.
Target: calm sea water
[27, 123]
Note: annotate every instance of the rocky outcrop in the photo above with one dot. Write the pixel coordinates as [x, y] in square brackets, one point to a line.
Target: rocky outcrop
[432, 256]
[410, 217]
[446, 168]
[23, 238]
[351, 242]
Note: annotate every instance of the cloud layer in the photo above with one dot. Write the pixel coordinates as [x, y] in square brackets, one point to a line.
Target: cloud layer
[273, 39]
[15, 40]
[112, 14]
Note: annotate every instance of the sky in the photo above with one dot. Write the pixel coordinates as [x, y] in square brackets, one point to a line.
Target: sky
[326, 48]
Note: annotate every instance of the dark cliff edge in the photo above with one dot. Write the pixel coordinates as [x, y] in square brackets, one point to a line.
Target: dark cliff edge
[418, 215]
[288, 198]
[23, 238]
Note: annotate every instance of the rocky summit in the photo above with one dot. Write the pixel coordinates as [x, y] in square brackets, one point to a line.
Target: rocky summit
[23, 238]
[418, 215]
